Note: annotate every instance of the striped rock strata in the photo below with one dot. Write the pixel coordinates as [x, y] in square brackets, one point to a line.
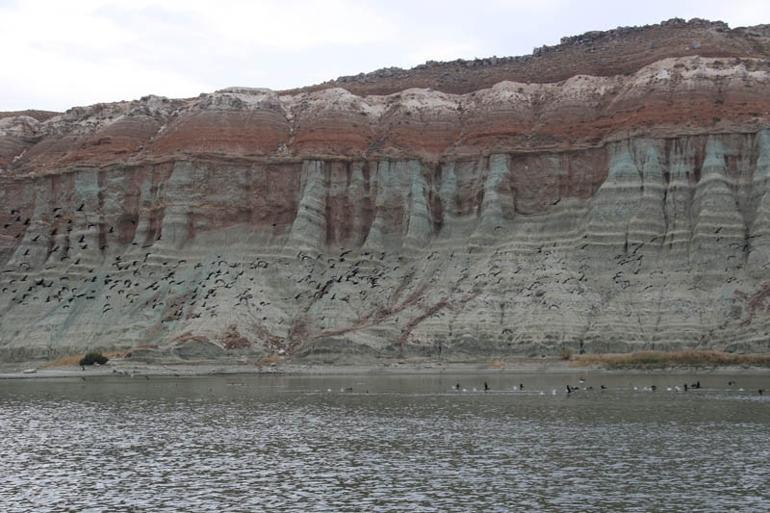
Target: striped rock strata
[595, 214]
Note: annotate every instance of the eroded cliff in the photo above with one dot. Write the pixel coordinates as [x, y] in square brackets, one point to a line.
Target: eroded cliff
[599, 213]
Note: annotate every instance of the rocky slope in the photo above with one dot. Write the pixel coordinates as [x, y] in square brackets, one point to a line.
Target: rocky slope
[614, 52]
[618, 211]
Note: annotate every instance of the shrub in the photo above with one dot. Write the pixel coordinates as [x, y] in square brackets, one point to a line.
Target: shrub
[565, 353]
[94, 357]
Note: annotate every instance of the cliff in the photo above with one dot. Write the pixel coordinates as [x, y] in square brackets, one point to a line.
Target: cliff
[517, 206]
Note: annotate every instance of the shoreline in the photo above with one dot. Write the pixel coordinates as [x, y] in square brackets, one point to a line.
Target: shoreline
[122, 368]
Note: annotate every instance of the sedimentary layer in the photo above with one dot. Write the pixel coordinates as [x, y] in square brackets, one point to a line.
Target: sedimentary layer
[595, 214]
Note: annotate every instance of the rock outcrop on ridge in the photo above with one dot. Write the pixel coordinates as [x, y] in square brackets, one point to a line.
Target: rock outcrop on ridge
[531, 211]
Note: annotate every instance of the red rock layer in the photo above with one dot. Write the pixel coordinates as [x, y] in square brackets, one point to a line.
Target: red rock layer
[692, 95]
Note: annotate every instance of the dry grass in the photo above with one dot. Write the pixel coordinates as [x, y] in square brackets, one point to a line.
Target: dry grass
[73, 360]
[663, 359]
[497, 364]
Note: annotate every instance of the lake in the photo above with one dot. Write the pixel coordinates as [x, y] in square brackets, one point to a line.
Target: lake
[385, 443]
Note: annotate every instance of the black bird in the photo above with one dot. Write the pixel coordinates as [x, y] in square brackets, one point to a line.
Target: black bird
[486, 387]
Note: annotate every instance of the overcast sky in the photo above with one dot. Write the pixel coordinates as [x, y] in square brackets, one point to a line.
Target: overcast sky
[61, 53]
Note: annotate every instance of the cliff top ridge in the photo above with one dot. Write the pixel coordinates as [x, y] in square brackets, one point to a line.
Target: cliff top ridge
[617, 51]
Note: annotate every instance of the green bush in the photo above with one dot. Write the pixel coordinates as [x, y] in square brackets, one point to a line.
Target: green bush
[94, 357]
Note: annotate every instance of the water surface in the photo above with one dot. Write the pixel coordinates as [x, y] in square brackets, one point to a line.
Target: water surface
[388, 443]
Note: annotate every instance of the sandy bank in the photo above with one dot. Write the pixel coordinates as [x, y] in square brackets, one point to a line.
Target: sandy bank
[519, 366]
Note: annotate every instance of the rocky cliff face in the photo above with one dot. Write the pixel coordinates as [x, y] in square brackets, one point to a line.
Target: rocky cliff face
[598, 213]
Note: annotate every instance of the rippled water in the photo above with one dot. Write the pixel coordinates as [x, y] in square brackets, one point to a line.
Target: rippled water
[390, 444]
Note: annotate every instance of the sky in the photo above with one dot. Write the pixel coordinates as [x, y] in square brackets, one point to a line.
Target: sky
[58, 54]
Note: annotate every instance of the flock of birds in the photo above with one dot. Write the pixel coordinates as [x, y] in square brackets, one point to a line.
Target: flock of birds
[154, 281]
[146, 280]
[311, 285]
[570, 389]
